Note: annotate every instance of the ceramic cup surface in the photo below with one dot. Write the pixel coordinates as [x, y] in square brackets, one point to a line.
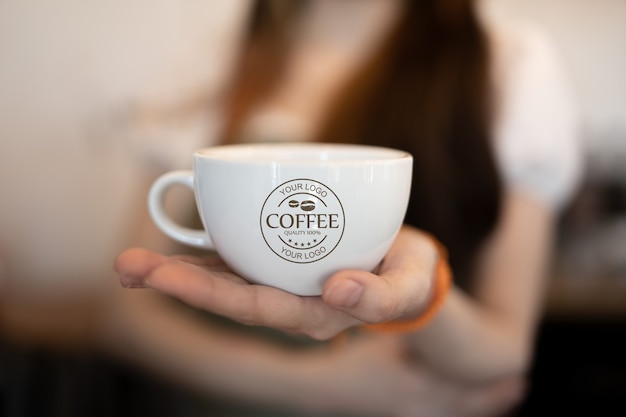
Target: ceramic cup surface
[291, 215]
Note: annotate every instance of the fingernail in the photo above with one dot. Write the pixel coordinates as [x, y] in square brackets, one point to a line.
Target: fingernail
[131, 282]
[345, 294]
[132, 286]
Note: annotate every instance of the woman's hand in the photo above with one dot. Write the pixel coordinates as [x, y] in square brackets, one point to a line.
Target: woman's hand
[399, 289]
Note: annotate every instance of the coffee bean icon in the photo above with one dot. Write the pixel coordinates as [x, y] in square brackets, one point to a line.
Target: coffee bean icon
[293, 203]
[307, 205]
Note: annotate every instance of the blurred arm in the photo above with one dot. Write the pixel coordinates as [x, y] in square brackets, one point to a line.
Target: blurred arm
[491, 333]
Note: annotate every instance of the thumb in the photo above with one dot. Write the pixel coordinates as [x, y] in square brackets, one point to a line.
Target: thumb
[373, 298]
[399, 291]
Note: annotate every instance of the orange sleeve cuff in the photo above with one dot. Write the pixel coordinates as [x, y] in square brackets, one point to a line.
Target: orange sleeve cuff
[443, 281]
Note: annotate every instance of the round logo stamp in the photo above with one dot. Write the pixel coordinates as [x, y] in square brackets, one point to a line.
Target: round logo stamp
[302, 220]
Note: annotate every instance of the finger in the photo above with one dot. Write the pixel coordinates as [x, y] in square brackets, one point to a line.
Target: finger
[400, 290]
[375, 299]
[212, 262]
[248, 304]
[133, 265]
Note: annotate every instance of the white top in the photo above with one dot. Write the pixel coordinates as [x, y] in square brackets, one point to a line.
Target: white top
[537, 139]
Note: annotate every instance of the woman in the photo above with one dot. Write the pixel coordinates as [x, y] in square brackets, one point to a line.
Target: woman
[487, 117]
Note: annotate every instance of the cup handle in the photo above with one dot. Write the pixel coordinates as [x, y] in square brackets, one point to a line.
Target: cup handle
[156, 197]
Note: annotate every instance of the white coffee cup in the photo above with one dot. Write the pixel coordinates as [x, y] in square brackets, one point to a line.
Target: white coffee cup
[291, 215]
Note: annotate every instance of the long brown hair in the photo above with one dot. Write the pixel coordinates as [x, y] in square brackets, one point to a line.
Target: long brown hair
[427, 90]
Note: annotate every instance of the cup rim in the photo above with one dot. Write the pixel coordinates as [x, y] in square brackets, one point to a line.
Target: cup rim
[302, 153]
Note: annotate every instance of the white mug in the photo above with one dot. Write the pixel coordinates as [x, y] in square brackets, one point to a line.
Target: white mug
[291, 215]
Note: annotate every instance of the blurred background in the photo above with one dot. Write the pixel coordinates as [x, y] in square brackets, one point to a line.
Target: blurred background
[581, 366]
[90, 114]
